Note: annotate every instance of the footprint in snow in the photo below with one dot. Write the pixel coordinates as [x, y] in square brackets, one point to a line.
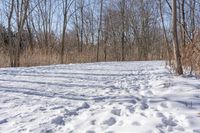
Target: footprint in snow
[46, 131]
[109, 132]
[159, 114]
[83, 106]
[135, 123]
[131, 109]
[169, 122]
[144, 106]
[196, 130]
[70, 113]
[164, 105]
[58, 121]
[111, 121]
[3, 121]
[149, 92]
[42, 109]
[90, 131]
[93, 122]
[133, 101]
[180, 128]
[116, 112]
[169, 129]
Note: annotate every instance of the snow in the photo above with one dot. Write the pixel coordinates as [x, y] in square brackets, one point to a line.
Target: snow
[58, 121]
[113, 97]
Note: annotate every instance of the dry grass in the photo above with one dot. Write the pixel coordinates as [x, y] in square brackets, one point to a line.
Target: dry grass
[191, 58]
[38, 57]
[4, 60]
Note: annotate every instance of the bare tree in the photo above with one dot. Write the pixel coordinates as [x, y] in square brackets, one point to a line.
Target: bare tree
[66, 7]
[82, 23]
[177, 56]
[99, 29]
[21, 16]
[11, 47]
[123, 4]
[183, 23]
[77, 28]
[192, 15]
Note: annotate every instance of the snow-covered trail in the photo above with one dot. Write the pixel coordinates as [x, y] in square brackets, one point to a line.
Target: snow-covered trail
[114, 97]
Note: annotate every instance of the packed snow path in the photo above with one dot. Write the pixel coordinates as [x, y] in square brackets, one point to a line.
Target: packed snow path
[123, 97]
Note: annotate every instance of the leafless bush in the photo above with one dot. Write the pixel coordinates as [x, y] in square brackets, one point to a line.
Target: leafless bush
[191, 58]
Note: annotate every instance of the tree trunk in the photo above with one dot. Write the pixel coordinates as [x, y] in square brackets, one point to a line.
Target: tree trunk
[11, 49]
[82, 25]
[65, 4]
[183, 22]
[123, 29]
[177, 56]
[99, 30]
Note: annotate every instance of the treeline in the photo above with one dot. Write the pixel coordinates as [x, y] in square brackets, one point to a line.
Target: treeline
[38, 32]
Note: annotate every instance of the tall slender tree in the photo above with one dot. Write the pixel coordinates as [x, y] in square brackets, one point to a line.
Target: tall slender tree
[177, 55]
[21, 16]
[123, 3]
[99, 29]
[11, 48]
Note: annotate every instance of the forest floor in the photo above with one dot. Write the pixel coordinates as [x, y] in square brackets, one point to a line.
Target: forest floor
[113, 97]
